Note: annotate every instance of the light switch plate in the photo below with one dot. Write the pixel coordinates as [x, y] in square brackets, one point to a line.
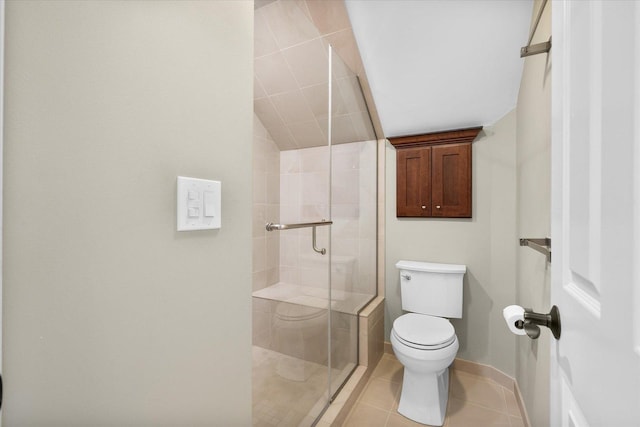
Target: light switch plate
[198, 204]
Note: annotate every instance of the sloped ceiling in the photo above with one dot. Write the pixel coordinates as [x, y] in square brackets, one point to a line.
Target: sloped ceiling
[291, 74]
[438, 65]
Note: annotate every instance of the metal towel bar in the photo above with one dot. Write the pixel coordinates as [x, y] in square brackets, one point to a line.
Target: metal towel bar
[541, 245]
[277, 227]
[535, 49]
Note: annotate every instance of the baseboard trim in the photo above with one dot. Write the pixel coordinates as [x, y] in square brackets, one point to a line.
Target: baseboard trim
[496, 375]
[387, 348]
[520, 400]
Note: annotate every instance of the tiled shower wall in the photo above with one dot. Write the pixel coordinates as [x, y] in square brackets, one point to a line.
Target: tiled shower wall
[266, 202]
[304, 193]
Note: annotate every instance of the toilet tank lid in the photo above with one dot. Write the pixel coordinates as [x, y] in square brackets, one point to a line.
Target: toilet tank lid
[431, 267]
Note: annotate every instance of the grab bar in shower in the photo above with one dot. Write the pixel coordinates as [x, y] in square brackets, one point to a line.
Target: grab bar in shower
[277, 227]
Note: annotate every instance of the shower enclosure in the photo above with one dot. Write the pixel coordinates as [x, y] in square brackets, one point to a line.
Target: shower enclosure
[315, 165]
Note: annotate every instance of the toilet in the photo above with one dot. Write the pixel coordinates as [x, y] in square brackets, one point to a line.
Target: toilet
[424, 340]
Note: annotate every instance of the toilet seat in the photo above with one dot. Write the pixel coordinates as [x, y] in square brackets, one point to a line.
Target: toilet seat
[423, 332]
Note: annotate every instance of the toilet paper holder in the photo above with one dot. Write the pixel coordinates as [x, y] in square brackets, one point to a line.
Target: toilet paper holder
[533, 321]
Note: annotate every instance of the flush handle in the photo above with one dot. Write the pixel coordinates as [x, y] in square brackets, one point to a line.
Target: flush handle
[406, 276]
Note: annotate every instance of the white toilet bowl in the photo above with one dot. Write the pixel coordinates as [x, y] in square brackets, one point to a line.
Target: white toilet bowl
[426, 346]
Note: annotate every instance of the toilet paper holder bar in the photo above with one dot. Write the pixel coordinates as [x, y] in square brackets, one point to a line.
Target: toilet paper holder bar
[533, 321]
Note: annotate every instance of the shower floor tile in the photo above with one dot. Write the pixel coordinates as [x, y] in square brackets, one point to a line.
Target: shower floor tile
[278, 401]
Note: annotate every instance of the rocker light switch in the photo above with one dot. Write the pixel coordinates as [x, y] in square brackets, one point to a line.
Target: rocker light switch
[198, 204]
[209, 204]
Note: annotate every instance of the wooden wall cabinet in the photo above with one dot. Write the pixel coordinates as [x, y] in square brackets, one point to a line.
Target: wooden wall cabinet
[434, 174]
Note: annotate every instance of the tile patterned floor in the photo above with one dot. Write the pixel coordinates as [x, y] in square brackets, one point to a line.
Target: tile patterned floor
[273, 395]
[473, 401]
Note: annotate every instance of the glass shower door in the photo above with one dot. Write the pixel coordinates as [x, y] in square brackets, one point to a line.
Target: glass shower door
[353, 207]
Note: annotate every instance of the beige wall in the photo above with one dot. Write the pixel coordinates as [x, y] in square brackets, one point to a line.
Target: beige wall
[485, 244]
[534, 207]
[111, 317]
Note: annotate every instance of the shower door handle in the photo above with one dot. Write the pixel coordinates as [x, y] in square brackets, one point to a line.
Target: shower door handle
[278, 227]
[320, 251]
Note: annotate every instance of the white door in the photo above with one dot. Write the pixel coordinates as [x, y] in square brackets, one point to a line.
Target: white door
[595, 366]
[1, 172]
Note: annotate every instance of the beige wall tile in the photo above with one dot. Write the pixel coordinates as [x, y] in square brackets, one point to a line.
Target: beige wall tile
[258, 91]
[351, 94]
[259, 279]
[308, 62]
[314, 159]
[259, 253]
[317, 98]
[346, 186]
[344, 44]
[289, 23]
[314, 188]
[263, 40]
[273, 188]
[307, 134]
[284, 137]
[329, 16]
[274, 74]
[266, 189]
[342, 130]
[290, 161]
[272, 260]
[292, 107]
[363, 126]
[259, 220]
[268, 114]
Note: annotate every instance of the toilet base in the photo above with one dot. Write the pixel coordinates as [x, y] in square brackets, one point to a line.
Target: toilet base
[424, 396]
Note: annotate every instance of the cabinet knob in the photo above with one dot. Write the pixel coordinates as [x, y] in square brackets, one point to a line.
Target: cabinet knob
[438, 207]
[424, 207]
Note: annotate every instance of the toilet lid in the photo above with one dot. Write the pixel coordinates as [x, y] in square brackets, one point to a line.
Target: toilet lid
[423, 331]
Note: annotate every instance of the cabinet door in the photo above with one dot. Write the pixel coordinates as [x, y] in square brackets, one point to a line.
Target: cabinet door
[413, 196]
[451, 193]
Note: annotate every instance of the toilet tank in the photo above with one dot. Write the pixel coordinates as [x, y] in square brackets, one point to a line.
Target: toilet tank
[433, 289]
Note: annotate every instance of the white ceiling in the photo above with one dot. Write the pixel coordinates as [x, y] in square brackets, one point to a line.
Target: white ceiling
[438, 65]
